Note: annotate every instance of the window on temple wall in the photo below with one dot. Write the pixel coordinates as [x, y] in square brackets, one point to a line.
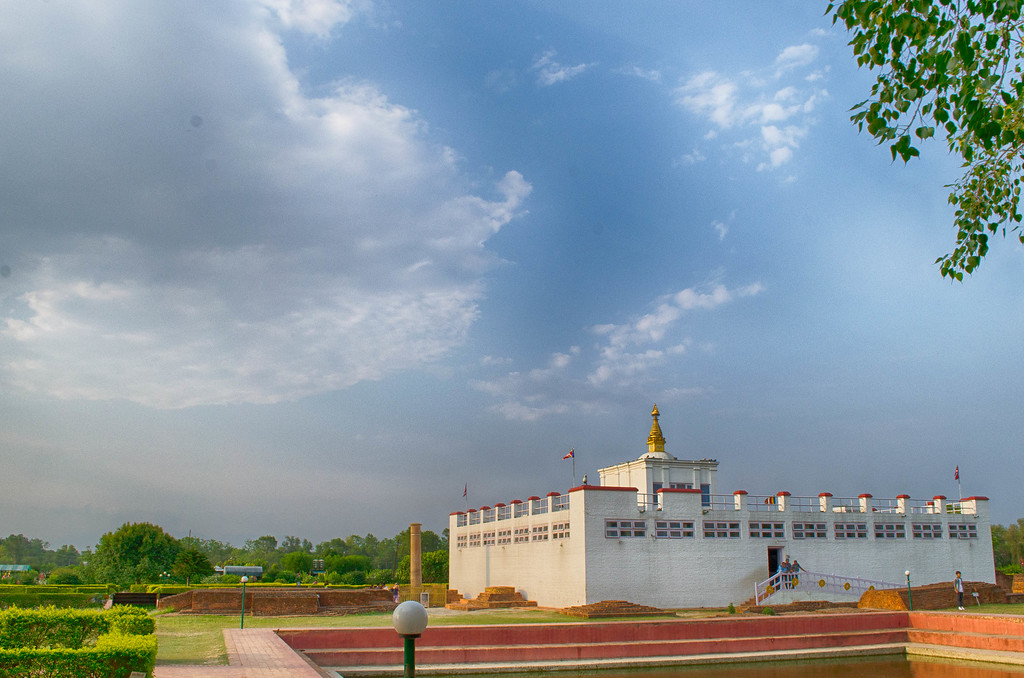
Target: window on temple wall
[521, 534]
[963, 531]
[504, 537]
[538, 506]
[721, 530]
[521, 510]
[614, 529]
[673, 529]
[927, 530]
[489, 515]
[504, 512]
[560, 531]
[768, 530]
[560, 503]
[460, 521]
[474, 539]
[809, 531]
[461, 541]
[851, 531]
[488, 539]
[474, 518]
[890, 531]
[540, 533]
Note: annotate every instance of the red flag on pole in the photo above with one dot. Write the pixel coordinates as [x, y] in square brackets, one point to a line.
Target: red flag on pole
[956, 473]
[465, 490]
[571, 455]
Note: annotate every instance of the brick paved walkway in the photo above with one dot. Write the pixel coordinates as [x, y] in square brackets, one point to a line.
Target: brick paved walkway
[252, 653]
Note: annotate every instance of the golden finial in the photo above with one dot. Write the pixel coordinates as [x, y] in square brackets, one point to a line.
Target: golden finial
[655, 441]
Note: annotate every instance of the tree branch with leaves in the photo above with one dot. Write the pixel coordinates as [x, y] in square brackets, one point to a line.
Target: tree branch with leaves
[953, 66]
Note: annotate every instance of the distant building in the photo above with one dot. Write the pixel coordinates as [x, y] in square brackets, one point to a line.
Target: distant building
[656, 532]
[251, 571]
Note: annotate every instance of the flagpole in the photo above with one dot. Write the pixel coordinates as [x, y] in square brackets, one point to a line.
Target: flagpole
[574, 469]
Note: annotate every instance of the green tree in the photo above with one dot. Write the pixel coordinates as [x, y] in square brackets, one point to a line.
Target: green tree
[192, 563]
[435, 566]
[297, 561]
[135, 553]
[952, 66]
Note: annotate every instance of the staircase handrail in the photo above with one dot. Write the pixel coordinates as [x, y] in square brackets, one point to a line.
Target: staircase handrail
[817, 581]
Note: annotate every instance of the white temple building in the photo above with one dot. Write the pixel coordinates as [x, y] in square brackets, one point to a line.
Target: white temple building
[657, 532]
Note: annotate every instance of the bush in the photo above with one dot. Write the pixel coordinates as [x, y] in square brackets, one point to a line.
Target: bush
[62, 628]
[64, 575]
[768, 611]
[29, 600]
[732, 609]
[114, 656]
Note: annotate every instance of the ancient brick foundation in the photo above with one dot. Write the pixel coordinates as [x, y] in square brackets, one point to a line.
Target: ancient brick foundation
[493, 597]
[278, 602]
[931, 597]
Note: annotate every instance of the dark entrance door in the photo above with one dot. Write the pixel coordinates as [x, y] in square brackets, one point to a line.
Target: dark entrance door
[774, 558]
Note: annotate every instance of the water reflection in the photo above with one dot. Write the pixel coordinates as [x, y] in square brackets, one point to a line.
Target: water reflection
[840, 668]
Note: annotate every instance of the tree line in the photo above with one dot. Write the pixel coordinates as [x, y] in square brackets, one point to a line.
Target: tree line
[143, 553]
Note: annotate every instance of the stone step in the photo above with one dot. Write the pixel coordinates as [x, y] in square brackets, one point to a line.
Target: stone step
[974, 641]
[426, 654]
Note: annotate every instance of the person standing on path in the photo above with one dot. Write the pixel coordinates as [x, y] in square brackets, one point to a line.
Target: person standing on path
[958, 586]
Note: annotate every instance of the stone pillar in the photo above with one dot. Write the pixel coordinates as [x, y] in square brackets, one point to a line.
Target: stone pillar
[415, 562]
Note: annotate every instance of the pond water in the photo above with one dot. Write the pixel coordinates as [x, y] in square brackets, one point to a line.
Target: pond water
[839, 668]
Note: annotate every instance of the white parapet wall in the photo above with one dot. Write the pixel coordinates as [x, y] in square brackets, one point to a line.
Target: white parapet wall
[685, 549]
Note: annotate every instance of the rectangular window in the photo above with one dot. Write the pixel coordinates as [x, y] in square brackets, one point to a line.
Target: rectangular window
[488, 539]
[521, 534]
[489, 515]
[927, 530]
[461, 541]
[809, 531]
[474, 539]
[851, 531]
[681, 486]
[615, 529]
[522, 509]
[721, 530]
[963, 531]
[540, 533]
[673, 529]
[504, 512]
[560, 531]
[538, 506]
[560, 503]
[767, 530]
[474, 518]
[504, 536]
[890, 531]
[460, 521]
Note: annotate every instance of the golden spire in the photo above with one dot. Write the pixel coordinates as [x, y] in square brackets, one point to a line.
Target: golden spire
[655, 441]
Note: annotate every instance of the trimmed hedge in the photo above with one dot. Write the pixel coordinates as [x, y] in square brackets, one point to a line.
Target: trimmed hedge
[77, 600]
[114, 656]
[63, 628]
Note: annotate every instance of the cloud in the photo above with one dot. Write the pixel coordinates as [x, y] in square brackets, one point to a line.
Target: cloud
[186, 226]
[738, 106]
[550, 72]
[626, 359]
[651, 75]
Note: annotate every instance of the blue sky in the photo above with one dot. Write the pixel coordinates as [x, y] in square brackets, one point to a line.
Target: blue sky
[311, 268]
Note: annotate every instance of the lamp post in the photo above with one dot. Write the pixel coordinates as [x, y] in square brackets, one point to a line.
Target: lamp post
[410, 620]
[910, 594]
[241, 623]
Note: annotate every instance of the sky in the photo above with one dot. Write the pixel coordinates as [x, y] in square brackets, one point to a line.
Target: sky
[316, 267]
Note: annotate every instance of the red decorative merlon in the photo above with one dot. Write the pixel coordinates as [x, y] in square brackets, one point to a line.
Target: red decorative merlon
[485, 508]
[457, 513]
[605, 488]
[498, 505]
[864, 496]
[939, 496]
[740, 492]
[974, 499]
[825, 494]
[783, 494]
[516, 501]
[679, 490]
[472, 510]
[903, 496]
[532, 498]
[554, 494]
